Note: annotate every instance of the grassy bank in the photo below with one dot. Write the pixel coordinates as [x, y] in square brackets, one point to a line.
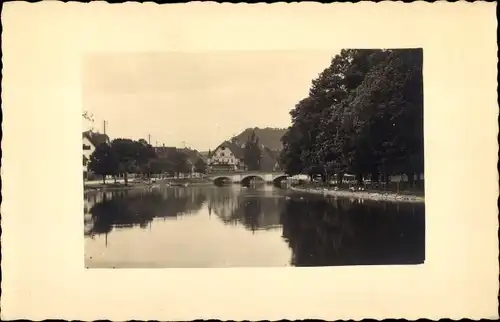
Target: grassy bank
[114, 186]
[188, 181]
[145, 184]
[371, 194]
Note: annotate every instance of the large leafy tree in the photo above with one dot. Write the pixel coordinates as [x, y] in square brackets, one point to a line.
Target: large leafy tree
[311, 115]
[388, 116]
[252, 152]
[363, 115]
[133, 156]
[127, 154]
[179, 162]
[160, 166]
[103, 161]
[200, 166]
[146, 157]
[289, 159]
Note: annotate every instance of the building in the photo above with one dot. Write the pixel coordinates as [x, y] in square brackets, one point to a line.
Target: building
[228, 156]
[90, 140]
[165, 151]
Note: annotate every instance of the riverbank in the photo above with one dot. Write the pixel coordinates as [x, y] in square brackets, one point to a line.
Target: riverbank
[183, 182]
[114, 186]
[370, 195]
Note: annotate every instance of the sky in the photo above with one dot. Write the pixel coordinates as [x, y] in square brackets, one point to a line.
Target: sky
[196, 99]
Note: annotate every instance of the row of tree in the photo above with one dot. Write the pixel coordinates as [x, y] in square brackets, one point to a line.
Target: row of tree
[252, 153]
[123, 156]
[363, 115]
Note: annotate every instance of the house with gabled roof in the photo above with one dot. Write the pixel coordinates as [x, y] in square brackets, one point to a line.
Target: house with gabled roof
[228, 156]
[165, 151]
[90, 140]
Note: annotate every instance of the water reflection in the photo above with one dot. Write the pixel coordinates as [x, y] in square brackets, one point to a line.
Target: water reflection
[254, 209]
[326, 232]
[129, 208]
[314, 231]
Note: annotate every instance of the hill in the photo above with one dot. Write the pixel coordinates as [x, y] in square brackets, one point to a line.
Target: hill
[269, 137]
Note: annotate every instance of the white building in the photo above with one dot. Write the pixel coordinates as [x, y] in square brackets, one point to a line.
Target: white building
[90, 140]
[227, 156]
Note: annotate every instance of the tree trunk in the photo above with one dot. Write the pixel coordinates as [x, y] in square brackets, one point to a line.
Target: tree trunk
[411, 180]
[126, 178]
[359, 178]
[385, 180]
[419, 181]
[340, 178]
[114, 177]
[326, 178]
[103, 179]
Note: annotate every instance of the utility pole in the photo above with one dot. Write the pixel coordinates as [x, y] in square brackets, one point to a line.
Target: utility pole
[149, 138]
[104, 126]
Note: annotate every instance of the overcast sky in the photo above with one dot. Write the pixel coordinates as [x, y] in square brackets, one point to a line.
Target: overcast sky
[200, 98]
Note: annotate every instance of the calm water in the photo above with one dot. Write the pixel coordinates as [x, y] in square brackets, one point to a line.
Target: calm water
[237, 227]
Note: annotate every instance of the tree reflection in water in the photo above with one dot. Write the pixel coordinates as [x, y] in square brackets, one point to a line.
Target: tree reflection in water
[130, 208]
[328, 232]
[319, 231]
[248, 207]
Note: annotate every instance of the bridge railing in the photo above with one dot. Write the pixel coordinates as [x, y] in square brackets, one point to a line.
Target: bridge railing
[228, 173]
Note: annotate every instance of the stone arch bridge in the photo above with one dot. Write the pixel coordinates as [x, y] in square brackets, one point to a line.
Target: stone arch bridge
[247, 176]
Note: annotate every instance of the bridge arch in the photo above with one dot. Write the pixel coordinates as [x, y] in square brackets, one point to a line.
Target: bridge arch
[219, 181]
[245, 180]
[278, 179]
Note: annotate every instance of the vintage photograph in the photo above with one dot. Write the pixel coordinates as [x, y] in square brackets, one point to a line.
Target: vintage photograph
[253, 158]
[290, 156]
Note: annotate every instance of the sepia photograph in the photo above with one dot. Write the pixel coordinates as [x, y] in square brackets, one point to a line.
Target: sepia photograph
[253, 159]
[316, 161]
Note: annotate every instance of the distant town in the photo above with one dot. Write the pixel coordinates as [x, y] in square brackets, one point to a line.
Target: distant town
[361, 124]
[254, 149]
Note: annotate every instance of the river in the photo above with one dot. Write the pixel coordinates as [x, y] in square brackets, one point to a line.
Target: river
[234, 226]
